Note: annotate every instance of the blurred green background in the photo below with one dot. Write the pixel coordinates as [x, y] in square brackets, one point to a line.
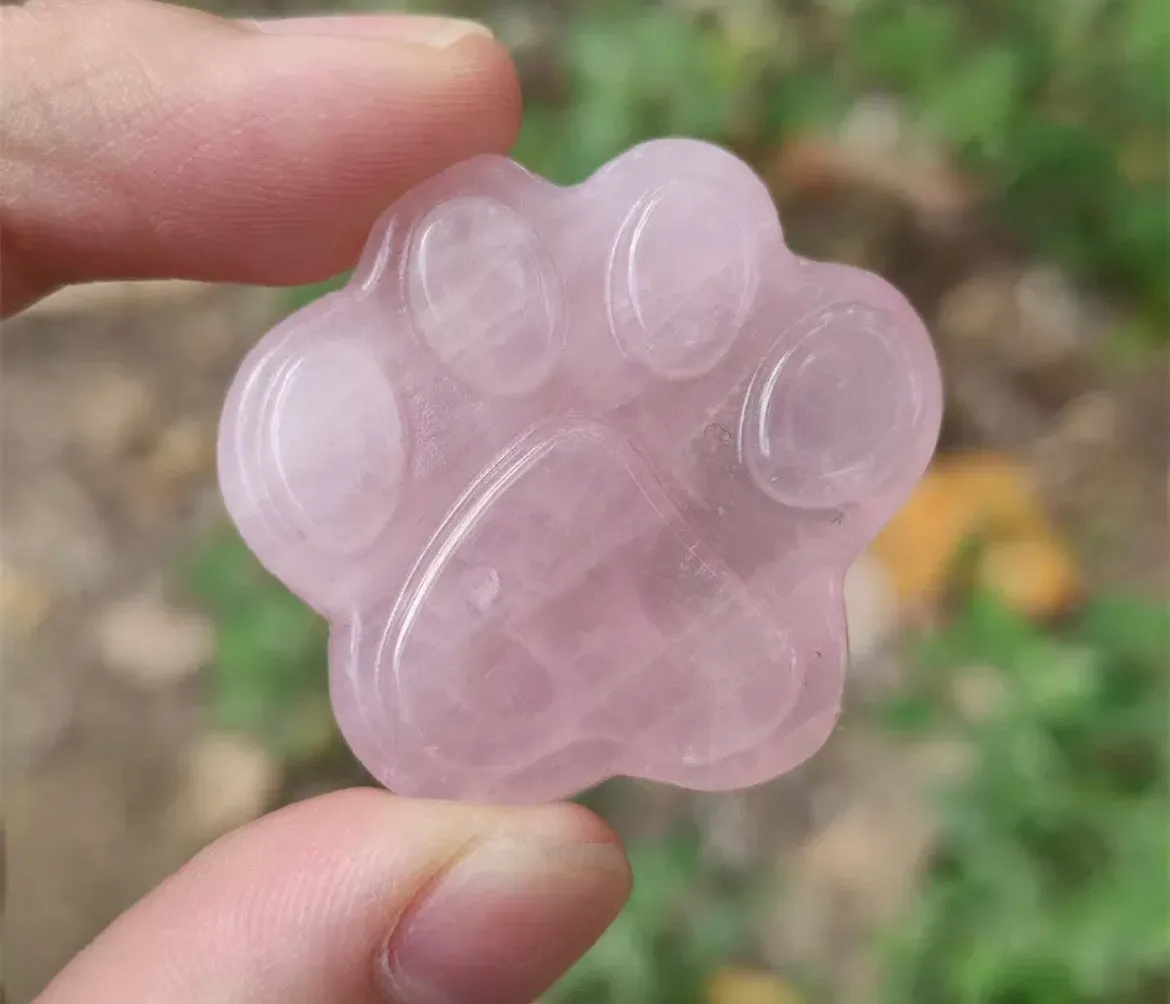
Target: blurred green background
[991, 824]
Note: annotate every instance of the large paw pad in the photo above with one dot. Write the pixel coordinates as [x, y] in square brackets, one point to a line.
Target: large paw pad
[575, 475]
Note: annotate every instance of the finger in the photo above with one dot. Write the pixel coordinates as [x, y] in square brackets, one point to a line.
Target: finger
[143, 140]
[361, 897]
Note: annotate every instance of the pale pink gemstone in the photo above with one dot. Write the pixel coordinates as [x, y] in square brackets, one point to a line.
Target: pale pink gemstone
[575, 476]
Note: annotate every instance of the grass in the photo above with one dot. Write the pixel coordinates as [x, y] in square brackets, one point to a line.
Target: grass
[1050, 885]
[1060, 111]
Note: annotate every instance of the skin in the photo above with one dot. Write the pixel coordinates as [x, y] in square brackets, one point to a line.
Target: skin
[139, 140]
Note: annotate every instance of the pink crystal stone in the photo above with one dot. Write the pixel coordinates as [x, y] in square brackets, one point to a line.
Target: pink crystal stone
[575, 476]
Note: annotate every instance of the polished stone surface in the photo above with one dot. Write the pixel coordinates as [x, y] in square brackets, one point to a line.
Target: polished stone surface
[575, 476]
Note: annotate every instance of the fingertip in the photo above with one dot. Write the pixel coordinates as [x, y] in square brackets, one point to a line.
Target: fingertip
[500, 69]
[436, 32]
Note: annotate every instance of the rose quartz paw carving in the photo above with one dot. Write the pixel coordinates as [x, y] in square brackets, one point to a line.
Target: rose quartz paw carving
[575, 475]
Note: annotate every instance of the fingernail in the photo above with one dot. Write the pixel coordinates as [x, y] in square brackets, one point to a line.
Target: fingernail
[504, 923]
[436, 32]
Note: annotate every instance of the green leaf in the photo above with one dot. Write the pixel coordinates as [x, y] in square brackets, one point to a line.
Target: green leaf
[974, 106]
[911, 714]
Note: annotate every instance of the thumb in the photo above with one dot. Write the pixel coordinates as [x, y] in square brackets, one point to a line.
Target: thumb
[361, 897]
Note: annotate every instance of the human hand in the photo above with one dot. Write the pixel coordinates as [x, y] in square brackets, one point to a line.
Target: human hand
[138, 140]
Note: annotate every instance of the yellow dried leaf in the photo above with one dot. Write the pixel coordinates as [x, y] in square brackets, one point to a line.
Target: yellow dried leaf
[961, 496]
[745, 986]
[1036, 577]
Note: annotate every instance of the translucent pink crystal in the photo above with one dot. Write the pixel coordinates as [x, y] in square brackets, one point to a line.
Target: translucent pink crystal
[575, 475]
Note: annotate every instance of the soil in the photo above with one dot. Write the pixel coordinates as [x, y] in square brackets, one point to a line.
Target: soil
[93, 513]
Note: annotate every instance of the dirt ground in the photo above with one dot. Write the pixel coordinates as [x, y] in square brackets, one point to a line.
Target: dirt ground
[109, 413]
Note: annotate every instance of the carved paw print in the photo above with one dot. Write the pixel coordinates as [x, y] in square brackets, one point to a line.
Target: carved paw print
[575, 476]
